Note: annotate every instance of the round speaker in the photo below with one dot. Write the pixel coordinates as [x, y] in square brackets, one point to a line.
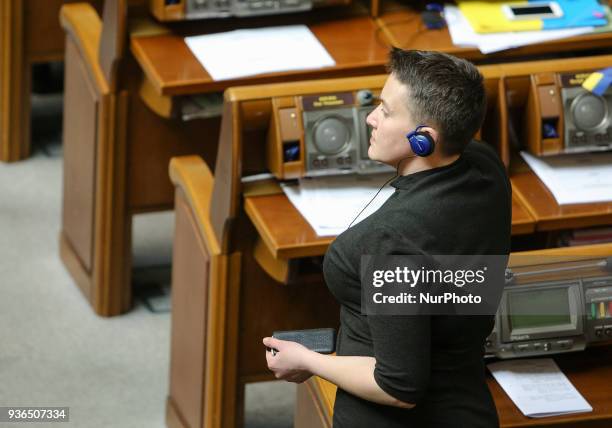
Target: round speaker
[589, 111]
[331, 135]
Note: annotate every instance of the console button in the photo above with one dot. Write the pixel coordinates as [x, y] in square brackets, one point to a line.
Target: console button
[598, 331]
[565, 344]
[523, 347]
[546, 346]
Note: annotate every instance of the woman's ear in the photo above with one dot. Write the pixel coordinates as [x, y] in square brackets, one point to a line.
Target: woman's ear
[434, 134]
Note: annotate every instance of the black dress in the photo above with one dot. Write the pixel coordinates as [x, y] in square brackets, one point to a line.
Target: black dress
[435, 362]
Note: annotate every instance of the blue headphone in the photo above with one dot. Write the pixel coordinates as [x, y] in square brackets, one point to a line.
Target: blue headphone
[421, 143]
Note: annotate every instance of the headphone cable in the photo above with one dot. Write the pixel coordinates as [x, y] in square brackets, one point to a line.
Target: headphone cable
[381, 187]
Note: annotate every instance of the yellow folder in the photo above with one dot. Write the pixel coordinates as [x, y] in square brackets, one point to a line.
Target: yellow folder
[488, 17]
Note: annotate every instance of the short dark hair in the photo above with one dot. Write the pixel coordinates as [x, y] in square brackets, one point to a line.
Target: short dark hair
[445, 92]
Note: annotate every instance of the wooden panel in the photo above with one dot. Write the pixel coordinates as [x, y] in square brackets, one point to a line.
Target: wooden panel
[293, 307]
[548, 214]
[151, 146]
[44, 38]
[14, 84]
[82, 24]
[80, 130]
[309, 409]
[327, 396]
[518, 87]
[112, 39]
[190, 280]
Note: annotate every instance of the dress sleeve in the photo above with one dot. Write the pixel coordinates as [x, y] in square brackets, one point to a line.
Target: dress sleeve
[402, 350]
[402, 343]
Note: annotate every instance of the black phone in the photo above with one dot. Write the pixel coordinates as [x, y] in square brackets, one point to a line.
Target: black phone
[321, 340]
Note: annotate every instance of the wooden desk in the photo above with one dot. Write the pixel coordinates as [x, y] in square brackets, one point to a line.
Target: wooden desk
[284, 234]
[589, 371]
[357, 42]
[288, 235]
[353, 41]
[548, 214]
[403, 28]
[29, 33]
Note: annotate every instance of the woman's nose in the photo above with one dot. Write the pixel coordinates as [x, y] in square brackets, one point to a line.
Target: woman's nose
[370, 119]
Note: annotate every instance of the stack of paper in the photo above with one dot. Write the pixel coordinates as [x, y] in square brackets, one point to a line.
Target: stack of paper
[242, 53]
[538, 387]
[575, 179]
[463, 34]
[330, 204]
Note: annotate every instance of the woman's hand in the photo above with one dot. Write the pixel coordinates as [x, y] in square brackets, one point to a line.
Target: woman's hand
[288, 362]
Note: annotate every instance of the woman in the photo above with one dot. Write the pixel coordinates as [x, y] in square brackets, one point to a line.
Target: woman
[452, 197]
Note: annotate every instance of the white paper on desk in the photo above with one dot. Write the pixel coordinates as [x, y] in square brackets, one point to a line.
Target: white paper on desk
[330, 204]
[242, 53]
[538, 387]
[462, 34]
[576, 178]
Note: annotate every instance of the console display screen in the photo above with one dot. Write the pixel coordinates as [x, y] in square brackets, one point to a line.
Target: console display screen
[537, 309]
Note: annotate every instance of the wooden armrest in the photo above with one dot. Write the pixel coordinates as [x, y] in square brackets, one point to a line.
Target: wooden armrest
[193, 177]
[81, 22]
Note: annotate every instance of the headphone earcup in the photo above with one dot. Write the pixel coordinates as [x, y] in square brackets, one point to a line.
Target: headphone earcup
[421, 143]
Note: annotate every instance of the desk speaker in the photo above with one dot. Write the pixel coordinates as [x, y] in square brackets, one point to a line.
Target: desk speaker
[563, 117]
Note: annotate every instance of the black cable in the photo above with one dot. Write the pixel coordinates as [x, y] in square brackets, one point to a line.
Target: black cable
[381, 187]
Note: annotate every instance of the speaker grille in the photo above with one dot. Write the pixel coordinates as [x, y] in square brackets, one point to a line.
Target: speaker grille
[331, 135]
[589, 111]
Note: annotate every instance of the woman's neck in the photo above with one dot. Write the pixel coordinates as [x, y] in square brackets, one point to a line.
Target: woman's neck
[418, 164]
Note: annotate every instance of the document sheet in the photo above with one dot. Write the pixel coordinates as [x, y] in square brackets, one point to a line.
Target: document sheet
[241, 53]
[538, 387]
[576, 178]
[330, 204]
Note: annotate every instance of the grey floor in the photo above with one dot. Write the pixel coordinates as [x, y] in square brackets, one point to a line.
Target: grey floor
[54, 351]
